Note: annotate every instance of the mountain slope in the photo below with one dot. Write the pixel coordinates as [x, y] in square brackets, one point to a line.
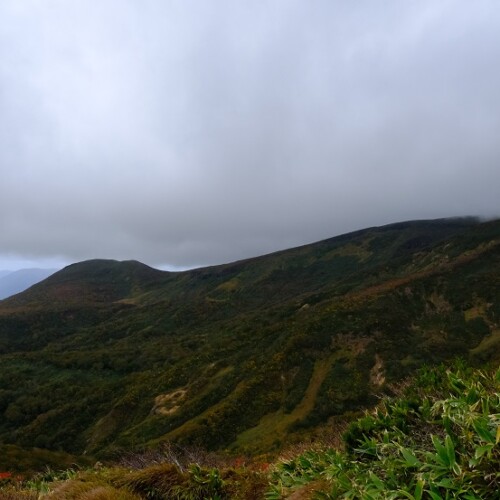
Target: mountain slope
[17, 281]
[245, 355]
[87, 283]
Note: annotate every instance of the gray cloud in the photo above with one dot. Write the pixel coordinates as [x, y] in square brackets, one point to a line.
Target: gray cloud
[190, 133]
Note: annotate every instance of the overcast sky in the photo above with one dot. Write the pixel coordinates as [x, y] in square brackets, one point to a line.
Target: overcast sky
[193, 132]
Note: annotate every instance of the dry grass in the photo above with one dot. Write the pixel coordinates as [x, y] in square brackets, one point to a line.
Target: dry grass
[80, 490]
[167, 452]
[157, 481]
[15, 494]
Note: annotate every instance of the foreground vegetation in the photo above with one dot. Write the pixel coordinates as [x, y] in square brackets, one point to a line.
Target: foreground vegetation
[437, 437]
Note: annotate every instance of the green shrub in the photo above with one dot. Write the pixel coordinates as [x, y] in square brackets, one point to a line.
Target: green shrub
[436, 447]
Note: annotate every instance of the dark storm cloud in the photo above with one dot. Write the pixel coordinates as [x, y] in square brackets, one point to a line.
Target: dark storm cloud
[193, 132]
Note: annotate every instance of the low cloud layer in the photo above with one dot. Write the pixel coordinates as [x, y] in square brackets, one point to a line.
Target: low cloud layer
[187, 133]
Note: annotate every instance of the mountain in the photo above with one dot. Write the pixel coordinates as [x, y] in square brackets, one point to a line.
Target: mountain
[12, 282]
[86, 283]
[104, 356]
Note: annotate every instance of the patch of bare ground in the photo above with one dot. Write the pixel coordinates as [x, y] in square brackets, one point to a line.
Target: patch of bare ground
[166, 404]
[377, 373]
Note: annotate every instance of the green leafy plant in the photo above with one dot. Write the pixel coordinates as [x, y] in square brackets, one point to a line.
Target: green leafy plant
[403, 451]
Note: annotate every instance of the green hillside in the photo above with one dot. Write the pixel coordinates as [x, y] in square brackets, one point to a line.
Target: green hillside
[438, 438]
[249, 356]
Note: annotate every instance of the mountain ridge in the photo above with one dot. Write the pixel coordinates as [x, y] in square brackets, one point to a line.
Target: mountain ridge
[101, 267]
[13, 282]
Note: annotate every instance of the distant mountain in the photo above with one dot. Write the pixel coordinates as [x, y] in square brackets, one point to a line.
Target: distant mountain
[104, 356]
[12, 282]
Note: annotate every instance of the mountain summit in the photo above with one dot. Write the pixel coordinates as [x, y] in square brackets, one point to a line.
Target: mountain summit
[89, 282]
